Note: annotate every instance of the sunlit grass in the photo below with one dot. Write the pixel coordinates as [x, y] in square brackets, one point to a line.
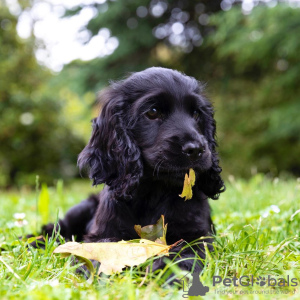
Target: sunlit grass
[257, 225]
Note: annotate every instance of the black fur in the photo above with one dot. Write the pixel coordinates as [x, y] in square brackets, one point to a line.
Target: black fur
[142, 161]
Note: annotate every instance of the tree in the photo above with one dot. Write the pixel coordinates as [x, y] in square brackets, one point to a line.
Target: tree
[146, 38]
[35, 137]
[257, 66]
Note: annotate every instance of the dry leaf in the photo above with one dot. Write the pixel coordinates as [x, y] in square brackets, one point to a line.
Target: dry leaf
[156, 233]
[189, 182]
[114, 256]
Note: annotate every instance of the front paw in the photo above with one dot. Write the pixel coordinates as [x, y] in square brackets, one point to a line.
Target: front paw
[158, 264]
[85, 270]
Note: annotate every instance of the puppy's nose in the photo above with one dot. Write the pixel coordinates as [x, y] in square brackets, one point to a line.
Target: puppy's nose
[193, 150]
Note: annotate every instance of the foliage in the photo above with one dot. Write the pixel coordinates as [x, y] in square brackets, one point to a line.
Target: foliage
[257, 62]
[35, 134]
[140, 44]
[256, 236]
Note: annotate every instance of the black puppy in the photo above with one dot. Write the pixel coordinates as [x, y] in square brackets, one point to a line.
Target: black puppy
[153, 127]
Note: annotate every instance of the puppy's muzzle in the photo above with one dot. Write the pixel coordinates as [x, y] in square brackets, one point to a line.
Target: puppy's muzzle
[193, 150]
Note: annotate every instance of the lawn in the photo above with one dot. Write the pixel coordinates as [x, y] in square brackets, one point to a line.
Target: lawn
[257, 225]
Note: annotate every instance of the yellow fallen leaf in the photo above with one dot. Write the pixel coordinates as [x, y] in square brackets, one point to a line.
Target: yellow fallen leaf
[114, 256]
[189, 182]
[156, 233]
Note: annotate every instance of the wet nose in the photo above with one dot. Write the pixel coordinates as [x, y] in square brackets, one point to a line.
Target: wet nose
[193, 150]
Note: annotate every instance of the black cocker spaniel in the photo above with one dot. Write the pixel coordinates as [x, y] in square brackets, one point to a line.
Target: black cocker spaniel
[153, 127]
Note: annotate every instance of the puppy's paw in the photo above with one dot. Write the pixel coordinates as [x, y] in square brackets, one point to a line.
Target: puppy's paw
[48, 229]
[158, 264]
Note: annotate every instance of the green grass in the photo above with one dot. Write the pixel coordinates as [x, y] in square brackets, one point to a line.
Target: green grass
[253, 238]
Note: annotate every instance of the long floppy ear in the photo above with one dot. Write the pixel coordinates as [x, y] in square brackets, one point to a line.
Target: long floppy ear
[111, 154]
[210, 182]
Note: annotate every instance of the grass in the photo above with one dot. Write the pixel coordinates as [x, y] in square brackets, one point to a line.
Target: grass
[257, 224]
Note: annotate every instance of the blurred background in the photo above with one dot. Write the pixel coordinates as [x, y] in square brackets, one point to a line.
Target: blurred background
[55, 55]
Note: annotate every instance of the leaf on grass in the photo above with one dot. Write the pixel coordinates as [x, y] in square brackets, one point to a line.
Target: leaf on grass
[189, 182]
[156, 233]
[114, 256]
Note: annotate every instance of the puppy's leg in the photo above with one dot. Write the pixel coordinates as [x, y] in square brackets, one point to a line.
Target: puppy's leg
[189, 258]
[186, 259]
[76, 221]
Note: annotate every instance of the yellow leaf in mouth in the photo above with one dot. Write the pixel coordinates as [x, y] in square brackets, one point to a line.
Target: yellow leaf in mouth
[189, 182]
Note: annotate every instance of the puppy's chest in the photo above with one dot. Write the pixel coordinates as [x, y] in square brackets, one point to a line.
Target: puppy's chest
[174, 209]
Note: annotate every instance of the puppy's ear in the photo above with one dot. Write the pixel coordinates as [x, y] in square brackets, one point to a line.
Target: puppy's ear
[211, 182]
[111, 155]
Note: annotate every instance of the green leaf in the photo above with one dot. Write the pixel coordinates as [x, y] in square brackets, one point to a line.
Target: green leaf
[156, 233]
[43, 205]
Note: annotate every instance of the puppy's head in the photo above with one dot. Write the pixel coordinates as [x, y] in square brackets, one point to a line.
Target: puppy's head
[156, 121]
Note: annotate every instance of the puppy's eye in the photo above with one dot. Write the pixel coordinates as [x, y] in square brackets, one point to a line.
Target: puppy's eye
[153, 113]
[196, 114]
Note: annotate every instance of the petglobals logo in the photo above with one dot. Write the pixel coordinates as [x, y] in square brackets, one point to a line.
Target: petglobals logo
[250, 280]
[196, 288]
[268, 284]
